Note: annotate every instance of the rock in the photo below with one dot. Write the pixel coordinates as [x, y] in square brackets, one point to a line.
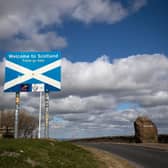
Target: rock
[145, 130]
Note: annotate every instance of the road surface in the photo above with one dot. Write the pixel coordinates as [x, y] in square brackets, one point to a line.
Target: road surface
[143, 157]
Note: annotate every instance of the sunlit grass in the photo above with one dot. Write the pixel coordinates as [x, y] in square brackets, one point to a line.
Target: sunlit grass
[24, 153]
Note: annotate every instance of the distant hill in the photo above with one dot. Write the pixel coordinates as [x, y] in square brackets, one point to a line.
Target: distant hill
[163, 138]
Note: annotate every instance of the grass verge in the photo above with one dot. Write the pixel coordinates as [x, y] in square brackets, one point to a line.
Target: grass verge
[23, 153]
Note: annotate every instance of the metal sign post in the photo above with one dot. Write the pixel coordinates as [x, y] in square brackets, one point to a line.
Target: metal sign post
[46, 130]
[39, 130]
[17, 113]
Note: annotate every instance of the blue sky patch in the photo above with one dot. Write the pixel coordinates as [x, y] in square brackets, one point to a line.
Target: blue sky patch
[126, 105]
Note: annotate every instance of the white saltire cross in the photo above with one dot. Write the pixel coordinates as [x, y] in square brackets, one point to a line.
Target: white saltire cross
[35, 74]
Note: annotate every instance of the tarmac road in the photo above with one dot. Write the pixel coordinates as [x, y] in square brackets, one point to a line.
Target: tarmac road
[142, 157]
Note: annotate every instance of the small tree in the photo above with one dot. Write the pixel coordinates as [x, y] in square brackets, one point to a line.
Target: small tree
[27, 123]
[7, 122]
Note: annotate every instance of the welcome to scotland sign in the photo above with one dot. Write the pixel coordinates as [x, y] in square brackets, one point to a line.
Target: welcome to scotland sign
[32, 72]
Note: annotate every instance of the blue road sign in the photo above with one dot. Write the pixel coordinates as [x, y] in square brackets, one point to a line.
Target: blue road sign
[32, 71]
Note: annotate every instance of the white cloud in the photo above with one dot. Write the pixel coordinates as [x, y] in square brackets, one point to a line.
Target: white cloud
[138, 4]
[77, 104]
[133, 74]
[105, 10]
[155, 99]
[92, 91]
[100, 11]
[36, 41]
[29, 17]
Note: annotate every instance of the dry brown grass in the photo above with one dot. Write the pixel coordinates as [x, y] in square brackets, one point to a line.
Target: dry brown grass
[108, 160]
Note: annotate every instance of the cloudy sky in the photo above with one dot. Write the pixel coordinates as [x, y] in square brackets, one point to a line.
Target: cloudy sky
[114, 66]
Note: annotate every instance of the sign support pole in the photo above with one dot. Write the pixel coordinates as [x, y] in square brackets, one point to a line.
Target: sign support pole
[39, 130]
[46, 130]
[17, 101]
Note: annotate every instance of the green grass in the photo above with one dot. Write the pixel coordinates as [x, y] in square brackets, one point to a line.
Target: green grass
[24, 153]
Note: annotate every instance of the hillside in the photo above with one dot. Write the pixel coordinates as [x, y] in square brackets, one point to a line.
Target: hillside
[162, 138]
[23, 153]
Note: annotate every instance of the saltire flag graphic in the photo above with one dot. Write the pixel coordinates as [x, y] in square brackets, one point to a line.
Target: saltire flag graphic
[32, 71]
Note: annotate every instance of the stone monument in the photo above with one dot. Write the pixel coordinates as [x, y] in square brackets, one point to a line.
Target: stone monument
[145, 130]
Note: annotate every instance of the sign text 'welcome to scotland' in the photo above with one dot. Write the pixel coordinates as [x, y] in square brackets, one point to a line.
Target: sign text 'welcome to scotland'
[32, 71]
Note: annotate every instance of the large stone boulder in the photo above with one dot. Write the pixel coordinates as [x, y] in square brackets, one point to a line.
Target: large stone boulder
[145, 131]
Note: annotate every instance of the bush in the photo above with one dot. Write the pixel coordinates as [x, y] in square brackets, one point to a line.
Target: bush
[27, 123]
